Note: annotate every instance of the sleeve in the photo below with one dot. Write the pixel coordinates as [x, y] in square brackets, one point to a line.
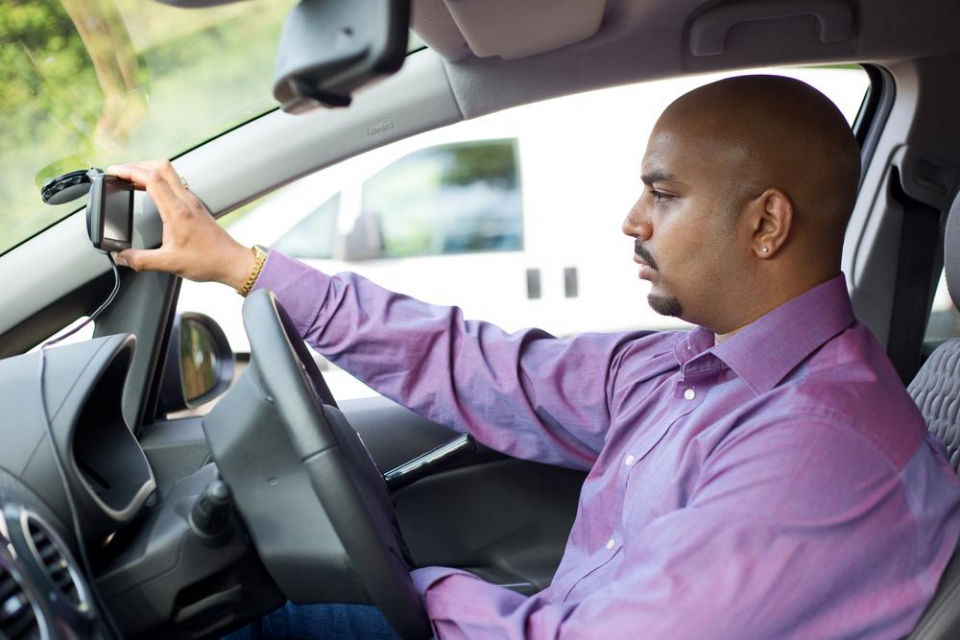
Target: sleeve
[527, 394]
[799, 530]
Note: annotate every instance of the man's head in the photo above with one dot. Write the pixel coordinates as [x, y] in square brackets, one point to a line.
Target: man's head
[748, 185]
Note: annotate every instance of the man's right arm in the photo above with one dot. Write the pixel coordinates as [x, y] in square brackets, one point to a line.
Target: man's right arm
[527, 394]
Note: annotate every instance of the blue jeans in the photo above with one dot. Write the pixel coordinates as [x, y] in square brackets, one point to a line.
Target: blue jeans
[319, 622]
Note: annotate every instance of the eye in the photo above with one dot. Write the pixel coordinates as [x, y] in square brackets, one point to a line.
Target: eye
[659, 196]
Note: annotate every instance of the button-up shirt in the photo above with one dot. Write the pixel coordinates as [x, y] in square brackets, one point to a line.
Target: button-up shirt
[781, 484]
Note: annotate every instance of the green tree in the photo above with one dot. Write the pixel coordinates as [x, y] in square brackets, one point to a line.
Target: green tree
[45, 73]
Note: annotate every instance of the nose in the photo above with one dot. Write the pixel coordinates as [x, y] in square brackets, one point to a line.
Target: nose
[637, 224]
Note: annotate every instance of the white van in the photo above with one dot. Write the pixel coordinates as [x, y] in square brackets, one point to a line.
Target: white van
[503, 216]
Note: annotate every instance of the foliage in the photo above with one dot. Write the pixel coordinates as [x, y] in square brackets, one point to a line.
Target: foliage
[43, 64]
[94, 82]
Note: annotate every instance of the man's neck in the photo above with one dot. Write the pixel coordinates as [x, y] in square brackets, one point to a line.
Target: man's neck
[780, 292]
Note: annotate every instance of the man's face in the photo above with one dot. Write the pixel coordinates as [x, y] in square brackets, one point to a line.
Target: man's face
[685, 224]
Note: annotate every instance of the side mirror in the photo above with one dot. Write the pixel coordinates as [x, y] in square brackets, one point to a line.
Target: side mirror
[365, 240]
[199, 364]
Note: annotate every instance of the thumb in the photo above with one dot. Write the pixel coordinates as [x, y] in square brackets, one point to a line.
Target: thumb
[140, 259]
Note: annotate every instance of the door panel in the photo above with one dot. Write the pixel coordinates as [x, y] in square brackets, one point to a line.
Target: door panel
[505, 519]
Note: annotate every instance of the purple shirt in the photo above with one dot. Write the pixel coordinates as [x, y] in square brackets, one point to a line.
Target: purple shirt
[779, 485]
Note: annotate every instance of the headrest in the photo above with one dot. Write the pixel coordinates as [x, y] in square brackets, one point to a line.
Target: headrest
[951, 251]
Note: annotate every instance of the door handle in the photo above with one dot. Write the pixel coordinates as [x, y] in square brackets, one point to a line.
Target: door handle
[571, 282]
[533, 284]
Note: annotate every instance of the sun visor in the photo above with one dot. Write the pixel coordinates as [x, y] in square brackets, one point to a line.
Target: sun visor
[504, 28]
[431, 21]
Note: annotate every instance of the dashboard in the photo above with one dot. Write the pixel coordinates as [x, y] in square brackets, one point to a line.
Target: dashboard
[105, 468]
[159, 571]
[43, 590]
[43, 593]
[191, 550]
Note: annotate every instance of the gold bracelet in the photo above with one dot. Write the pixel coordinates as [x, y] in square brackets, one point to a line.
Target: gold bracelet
[261, 255]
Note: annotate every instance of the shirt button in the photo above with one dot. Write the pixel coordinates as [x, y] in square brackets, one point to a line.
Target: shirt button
[689, 394]
[629, 461]
[610, 543]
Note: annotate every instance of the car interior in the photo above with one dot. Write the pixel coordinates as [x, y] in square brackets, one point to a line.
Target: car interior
[126, 514]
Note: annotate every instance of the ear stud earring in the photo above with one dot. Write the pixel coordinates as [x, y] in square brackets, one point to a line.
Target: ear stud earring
[766, 249]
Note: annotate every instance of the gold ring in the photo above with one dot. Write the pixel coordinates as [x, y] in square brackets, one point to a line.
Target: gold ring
[183, 183]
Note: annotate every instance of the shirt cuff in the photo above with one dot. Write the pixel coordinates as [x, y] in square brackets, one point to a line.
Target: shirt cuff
[299, 289]
[426, 577]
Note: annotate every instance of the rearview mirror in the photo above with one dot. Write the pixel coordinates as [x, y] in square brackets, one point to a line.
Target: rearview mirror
[329, 48]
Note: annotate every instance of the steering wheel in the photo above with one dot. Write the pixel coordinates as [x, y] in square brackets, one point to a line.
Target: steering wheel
[280, 438]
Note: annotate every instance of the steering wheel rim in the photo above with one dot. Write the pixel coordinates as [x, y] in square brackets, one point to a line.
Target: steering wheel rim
[344, 477]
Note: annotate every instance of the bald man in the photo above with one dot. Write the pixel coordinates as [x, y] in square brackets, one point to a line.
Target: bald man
[764, 475]
[756, 176]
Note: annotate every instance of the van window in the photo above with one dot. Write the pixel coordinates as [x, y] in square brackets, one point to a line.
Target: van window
[453, 198]
[313, 237]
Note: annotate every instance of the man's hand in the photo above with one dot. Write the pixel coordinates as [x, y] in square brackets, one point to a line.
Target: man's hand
[194, 245]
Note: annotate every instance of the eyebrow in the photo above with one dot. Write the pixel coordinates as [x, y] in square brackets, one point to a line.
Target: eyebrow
[657, 175]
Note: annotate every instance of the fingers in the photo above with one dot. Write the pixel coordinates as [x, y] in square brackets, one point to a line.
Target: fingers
[162, 183]
[141, 259]
[141, 173]
[191, 236]
[124, 171]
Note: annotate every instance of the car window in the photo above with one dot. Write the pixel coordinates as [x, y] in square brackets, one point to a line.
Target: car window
[944, 322]
[314, 236]
[454, 198]
[445, 199]
[514, 217]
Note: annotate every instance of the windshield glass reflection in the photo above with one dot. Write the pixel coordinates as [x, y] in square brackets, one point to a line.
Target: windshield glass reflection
[93, 82]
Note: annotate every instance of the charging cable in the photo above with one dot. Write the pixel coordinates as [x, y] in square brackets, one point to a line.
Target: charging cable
[74, 515]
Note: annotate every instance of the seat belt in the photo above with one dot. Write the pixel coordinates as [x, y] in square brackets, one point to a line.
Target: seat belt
[918, 268]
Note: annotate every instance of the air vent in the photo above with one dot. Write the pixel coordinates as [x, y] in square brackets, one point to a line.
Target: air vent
[49, 554]
[18, 618]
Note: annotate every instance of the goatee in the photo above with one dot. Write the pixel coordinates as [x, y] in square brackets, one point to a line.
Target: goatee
[665, 305]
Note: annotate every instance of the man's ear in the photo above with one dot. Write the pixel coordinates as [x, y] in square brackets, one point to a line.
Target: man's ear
[772, 221]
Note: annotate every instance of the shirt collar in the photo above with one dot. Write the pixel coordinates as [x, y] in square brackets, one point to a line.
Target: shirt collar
[765, 351]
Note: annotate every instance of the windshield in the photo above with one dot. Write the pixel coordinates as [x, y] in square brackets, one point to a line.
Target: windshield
[94, 82]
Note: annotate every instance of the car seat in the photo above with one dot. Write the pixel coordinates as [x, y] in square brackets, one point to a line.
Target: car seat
[936, 390]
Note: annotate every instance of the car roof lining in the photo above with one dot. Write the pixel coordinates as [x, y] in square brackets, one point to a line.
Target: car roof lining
[889, 29]
[620, 52]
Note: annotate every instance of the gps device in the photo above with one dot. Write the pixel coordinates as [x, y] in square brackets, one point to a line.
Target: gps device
[110, 213]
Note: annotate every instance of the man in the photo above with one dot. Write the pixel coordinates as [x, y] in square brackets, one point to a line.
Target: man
[762, 476]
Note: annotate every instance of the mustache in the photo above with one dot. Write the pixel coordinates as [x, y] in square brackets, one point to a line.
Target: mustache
[645, 255]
